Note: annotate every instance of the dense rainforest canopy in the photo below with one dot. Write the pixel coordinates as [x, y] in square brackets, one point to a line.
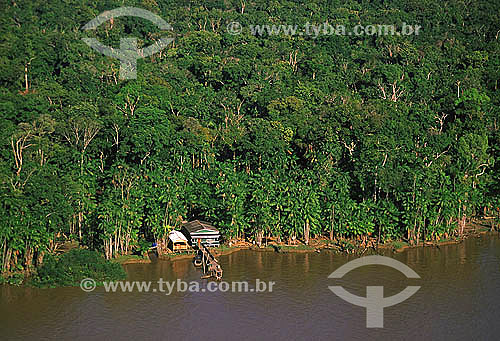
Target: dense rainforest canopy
[262, 135]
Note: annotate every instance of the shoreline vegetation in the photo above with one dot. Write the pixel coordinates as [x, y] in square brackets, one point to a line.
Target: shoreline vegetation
[74, 264]
[320, 244]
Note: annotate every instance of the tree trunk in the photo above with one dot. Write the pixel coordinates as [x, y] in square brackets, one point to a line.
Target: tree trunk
[306, 232]
[28, 258]
[14, 258]
[258, 238]
[378, 238]
[39, 258]
[4, 250]
[80, 220]
[464, 220]
[6, 264]
[331, 222]
[418, 232]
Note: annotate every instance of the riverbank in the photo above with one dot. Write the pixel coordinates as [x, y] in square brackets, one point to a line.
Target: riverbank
[323, 244]
[316, 245]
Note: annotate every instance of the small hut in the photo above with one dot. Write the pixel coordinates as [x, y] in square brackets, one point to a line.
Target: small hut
[177, 241]
[202, 231]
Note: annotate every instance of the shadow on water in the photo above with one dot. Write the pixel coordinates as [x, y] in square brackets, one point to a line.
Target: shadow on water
[153, 255]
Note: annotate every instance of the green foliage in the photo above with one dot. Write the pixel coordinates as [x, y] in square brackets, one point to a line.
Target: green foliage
[72, 267]
[398, 244]
[13, 279]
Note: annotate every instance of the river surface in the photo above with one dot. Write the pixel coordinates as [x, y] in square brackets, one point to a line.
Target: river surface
[459, 299]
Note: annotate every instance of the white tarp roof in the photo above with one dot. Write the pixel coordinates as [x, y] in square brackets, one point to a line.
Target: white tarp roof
[177, 236]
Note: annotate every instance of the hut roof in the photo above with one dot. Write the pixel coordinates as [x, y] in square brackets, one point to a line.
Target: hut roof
[198, 226]
[177, 236]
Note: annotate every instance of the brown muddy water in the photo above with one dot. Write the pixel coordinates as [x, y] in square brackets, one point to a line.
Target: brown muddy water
[459, 299]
